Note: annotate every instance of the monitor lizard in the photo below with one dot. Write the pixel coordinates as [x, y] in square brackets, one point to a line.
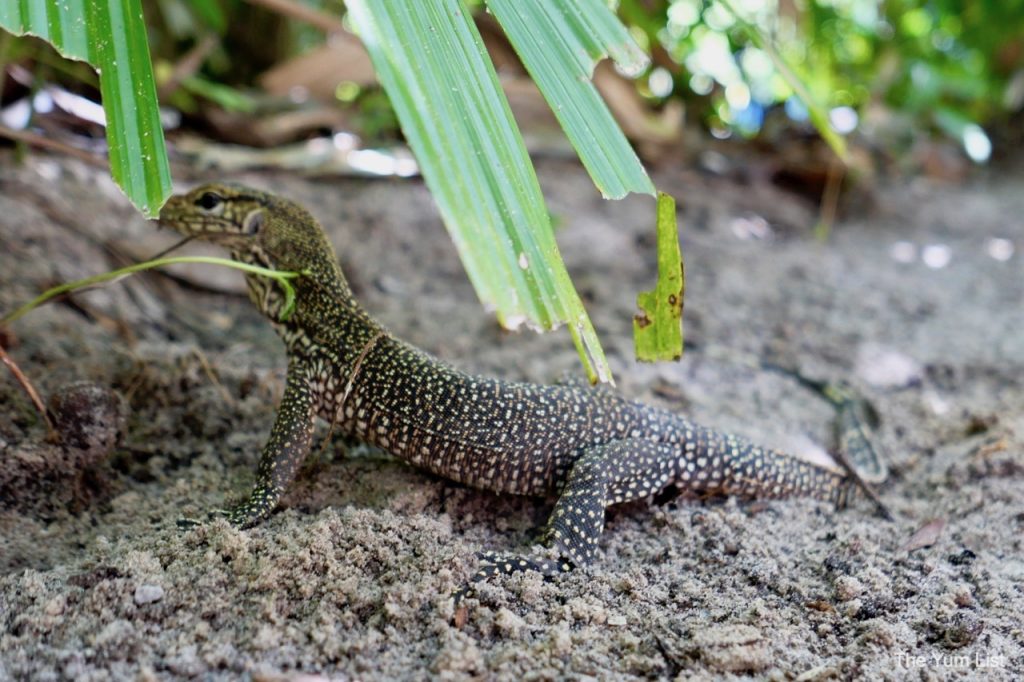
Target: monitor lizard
[589, 447]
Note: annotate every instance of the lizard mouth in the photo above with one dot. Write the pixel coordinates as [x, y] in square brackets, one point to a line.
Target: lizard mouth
[195, 230]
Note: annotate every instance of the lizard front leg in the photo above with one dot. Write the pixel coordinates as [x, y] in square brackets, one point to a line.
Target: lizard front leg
[283, 454]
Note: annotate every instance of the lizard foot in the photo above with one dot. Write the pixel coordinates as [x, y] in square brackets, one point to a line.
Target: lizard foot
[232, 514]
[501, 563]
[242, 515]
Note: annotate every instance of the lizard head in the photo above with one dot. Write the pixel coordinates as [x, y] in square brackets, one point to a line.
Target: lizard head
[226, 214]
[261, 229]
[255, 226]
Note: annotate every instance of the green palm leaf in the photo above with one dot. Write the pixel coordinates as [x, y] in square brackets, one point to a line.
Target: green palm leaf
[430, 60]
[110, 35]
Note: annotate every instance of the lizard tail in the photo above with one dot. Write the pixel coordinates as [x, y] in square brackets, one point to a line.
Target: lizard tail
[718, 463]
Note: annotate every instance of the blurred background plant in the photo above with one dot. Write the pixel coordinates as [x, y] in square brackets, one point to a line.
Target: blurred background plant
[911, 86]
[893, 73]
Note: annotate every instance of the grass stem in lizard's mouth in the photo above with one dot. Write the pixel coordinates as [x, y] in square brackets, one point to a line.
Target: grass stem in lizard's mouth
[173, 248]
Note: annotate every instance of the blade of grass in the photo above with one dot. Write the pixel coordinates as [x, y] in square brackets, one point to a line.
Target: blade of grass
[658, 330]
[110, 35]
[560, 43]
[280, 276]
[430, 59]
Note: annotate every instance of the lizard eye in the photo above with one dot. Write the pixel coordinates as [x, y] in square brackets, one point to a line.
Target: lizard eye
[209, 201]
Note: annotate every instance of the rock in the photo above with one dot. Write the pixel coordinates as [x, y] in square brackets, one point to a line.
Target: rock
[147, 594]
[884, 367]
[509, 624]
[848, 587]
[90, 420]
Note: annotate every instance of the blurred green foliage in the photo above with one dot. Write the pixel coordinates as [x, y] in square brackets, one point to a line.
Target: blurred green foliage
[903, 67]
[892, 70]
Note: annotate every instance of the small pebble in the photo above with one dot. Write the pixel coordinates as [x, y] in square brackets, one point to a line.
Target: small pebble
[509, 623]
[55, 606]
[884, 367]
[146, 594]
[852, 607]
[848, 587]
[962, 597]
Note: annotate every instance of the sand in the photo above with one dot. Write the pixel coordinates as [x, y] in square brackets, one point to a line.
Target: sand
[352, 579]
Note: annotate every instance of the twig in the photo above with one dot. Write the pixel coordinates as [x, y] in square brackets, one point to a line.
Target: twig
[864, 486]
[348, 385]
[188, 65]
[212, 376]
[29, 389]
[55, 145]
[169, 249]
[289, 8]
[281, 277]
[821, 387]
[830, 197]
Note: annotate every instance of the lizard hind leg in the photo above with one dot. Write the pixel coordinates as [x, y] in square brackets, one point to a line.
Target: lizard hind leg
[602, 475]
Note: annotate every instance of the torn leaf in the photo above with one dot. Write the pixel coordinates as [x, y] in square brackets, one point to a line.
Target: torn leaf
[658, 328]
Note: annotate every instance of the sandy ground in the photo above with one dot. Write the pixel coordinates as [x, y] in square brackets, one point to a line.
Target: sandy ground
[352, 579]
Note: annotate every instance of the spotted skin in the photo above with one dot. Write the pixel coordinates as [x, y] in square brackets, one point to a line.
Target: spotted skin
[286, 449]
[590, 448]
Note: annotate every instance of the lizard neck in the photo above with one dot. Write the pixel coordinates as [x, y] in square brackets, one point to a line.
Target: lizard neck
[327, 323]
[322, 308]
[327, 320]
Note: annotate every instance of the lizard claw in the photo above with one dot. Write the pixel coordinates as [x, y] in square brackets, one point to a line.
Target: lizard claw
[241, 515]
[187, 523]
